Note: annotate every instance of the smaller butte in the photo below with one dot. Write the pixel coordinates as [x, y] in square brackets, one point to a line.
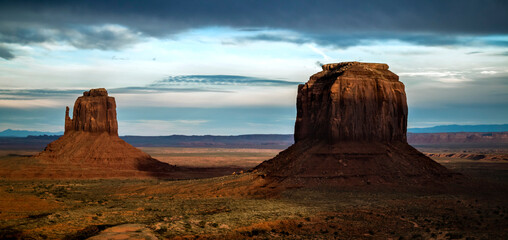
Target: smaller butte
[91, 141]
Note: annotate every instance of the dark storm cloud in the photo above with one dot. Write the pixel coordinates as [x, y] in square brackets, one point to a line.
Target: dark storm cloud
[327, 22]
[453, 16]
[102, 37]
[5, 53]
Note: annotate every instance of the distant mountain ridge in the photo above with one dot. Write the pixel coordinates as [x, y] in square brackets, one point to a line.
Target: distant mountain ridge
[265, 141]
[435, 129]
[25, 133]
[461, 128]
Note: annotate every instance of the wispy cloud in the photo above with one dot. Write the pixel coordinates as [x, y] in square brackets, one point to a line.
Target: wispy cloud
[346, 40]
[451, 77]
[172, 90]
[220, 80]
[430, 74]
[24, 103]
[320, 52]
[488, 72]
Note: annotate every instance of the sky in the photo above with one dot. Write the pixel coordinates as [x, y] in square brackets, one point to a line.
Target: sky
[199, 67]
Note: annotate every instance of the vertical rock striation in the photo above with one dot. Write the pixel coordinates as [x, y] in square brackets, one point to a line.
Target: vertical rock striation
[352, 101]
[351, 130]
[95, 111]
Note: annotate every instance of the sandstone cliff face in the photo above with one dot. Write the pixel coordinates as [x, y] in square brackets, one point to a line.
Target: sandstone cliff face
[352, 101]
[351, 130]
[95, 111]
[91, 140]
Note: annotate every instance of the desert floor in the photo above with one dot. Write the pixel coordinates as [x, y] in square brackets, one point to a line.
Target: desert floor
[230, 207]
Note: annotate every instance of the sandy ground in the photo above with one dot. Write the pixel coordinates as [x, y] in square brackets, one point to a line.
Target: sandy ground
[211, 157]
[240, 206]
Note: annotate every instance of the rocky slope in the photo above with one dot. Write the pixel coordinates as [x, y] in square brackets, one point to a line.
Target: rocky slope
[351, 130]
[91, 139]
[471, 156]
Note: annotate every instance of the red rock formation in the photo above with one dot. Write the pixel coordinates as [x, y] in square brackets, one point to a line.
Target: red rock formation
[350, 130]
[95, 111]
[352, 101]
[91, 139]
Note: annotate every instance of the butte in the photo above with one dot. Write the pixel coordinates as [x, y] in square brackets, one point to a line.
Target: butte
[91, 145]
[350, 129]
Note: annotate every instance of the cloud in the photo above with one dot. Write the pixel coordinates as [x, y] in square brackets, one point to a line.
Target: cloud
[478, 90]
[163, 17]
[348, 39]
[6, 53]
[320, 52]
[437, 74]
[185, 90]
[36, 93]
[103, 36]
[109, 24]
[274, 37]
[24, 103]
[502, 54]
[31, 94]
[219, 80]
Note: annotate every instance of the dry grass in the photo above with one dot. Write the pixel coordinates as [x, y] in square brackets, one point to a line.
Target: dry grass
[211, 157]
[243, 206]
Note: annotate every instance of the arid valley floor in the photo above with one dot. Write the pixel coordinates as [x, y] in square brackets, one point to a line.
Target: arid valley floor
[228, 206]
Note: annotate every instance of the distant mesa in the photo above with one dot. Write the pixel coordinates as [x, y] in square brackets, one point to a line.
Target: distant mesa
[26, 133]
[350, 129]
[91, 139]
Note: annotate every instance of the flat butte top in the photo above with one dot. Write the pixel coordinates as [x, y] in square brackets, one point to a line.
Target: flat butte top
[357, 70]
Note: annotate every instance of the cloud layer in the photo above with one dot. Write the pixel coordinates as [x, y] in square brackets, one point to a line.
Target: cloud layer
[115, 25]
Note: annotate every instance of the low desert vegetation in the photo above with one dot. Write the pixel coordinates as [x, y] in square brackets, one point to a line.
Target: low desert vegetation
[229, 207]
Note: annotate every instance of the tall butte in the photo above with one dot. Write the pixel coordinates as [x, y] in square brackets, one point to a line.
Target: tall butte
[91, 139]
[350, 129]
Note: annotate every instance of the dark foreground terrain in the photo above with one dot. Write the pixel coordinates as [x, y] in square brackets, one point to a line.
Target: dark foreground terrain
[237, 206]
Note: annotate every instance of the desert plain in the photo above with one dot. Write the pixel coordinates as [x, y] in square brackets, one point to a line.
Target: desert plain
[233, 207]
